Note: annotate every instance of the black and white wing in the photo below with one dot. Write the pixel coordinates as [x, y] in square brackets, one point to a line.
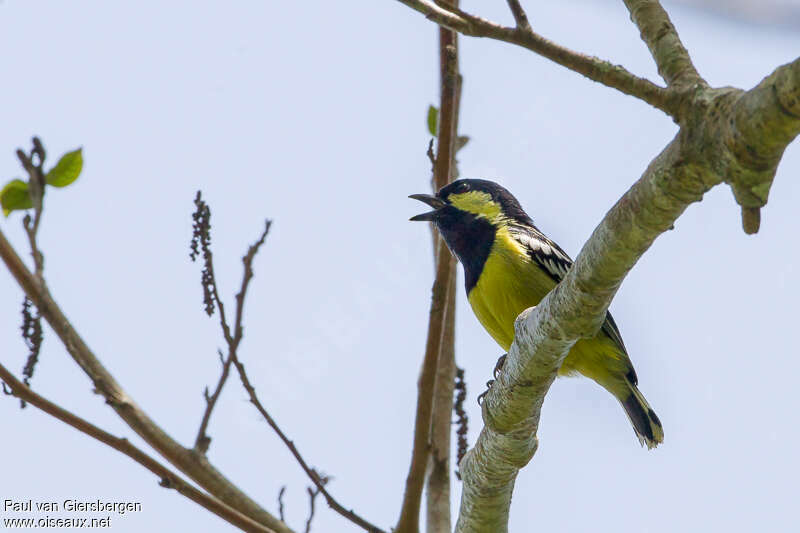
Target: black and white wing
[555, 261]
[545, 253]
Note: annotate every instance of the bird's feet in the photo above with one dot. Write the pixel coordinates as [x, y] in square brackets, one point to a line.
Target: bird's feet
[499, 366]
[482, 395]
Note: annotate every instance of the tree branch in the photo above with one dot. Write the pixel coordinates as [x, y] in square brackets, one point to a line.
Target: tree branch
[733, 136]
[194, 465]
[438, 493]
[661, 37]
[33, 165]
[168, 478]
[201, 242]
[202, 238]
[764, 123]
[604, 72]
[519, 15]
[318, 480]
[312, 498]
[202, 441]
[437, 516]
[408, 522]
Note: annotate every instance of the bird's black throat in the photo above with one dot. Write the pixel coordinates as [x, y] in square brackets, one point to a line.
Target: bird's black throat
[470, 239]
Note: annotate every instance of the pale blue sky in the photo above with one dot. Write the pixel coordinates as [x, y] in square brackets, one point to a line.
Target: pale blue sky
[313, 114]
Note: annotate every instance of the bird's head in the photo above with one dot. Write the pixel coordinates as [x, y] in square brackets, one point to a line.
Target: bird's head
[466, 202]
[468, 214]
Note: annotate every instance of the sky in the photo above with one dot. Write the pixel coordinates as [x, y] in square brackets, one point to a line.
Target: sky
[313, 115]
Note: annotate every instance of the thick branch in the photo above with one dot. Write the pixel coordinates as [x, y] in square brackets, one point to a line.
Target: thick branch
[765, 122]
[661, 37]
[733, 136]
[610, 75]
[192, 464]
[168, 478]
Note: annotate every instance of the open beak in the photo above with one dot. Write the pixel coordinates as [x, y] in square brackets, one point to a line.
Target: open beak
[434, 202]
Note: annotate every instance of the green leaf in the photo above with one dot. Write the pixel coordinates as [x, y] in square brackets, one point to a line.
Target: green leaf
[15, 196]
[433, 120]
[66, 170]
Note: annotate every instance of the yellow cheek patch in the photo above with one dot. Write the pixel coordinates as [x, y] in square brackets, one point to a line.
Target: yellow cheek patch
[478, 203]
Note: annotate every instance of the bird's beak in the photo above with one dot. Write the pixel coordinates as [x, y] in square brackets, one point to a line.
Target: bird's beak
[434, 202]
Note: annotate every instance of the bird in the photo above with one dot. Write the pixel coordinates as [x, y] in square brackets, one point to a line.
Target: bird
[509, 266]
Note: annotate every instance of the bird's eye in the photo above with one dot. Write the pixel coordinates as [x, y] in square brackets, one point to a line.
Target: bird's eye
[462, 187]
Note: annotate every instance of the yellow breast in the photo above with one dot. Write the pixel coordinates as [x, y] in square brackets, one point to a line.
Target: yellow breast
[509, 283]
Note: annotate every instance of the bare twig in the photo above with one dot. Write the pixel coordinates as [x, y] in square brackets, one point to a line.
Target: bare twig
[202, 441]
[33, 164]
[234, 339]
[280, 503]
[189, 462]
[32, 332]
[672, 59]
[169, 479]
[408, 521]
[201, 242]
[312, 497]
[247, 260]
[610, 75]
[312, 474]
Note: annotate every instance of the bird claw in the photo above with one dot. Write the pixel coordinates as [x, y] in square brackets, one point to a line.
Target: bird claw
[499, 366]
[482, 395]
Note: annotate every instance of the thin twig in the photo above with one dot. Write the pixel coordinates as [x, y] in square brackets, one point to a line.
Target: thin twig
[202, 238]
[233, 341]
[33, 165]
[312, 474]
[657, 31]
[280, 503]
[169, 479]
[247, 260]
[610, 75]
[312, 497]
[202, 441]
[32, 332]
[519, 15]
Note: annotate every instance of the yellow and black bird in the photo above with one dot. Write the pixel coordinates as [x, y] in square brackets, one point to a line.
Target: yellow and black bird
[509, 266]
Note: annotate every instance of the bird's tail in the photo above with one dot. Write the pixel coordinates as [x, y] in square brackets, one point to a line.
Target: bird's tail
[644, 420]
